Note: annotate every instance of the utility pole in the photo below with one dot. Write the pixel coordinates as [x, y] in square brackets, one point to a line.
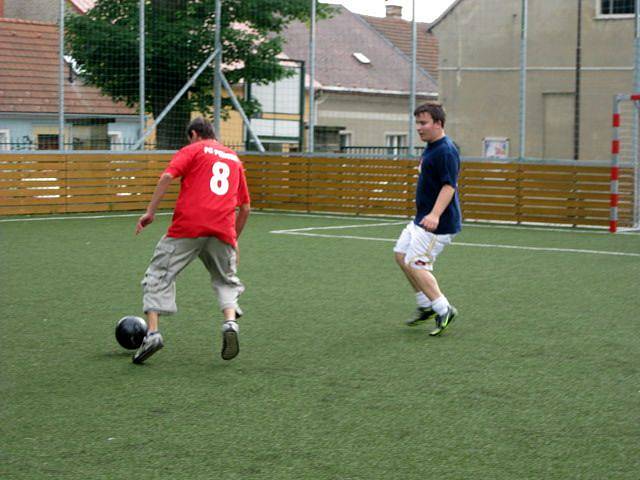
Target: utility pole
[576, 108]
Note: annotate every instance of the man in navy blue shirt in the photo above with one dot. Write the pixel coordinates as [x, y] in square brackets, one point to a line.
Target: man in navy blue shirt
[437, 221]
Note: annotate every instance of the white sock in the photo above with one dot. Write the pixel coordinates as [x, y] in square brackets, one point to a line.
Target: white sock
[440, 305]
[230, 325]
[422, 300]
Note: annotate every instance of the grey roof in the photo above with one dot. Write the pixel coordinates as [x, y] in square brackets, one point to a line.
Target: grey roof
[337, 39]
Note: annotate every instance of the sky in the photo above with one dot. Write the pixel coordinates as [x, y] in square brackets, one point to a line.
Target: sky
[426, 10]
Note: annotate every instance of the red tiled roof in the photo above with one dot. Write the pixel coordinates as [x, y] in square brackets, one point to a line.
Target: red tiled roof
[398, 32]
[29, 74]
[337, 40]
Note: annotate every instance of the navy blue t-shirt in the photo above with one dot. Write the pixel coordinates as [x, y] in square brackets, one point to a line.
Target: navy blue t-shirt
[439, 166]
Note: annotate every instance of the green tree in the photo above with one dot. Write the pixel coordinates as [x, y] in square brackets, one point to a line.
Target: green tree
[179, 36]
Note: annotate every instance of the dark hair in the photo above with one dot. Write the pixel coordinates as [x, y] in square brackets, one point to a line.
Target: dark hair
[202, 127]
[434, 109]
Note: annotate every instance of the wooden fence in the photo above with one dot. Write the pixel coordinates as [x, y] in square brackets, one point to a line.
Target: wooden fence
[517, 192]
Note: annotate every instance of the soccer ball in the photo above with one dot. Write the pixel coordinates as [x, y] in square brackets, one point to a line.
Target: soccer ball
[130, 331]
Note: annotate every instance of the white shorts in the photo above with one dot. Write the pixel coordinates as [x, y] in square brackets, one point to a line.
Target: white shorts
[421, 247]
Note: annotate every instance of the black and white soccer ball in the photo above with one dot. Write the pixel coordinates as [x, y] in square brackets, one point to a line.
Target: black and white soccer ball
[130, 331]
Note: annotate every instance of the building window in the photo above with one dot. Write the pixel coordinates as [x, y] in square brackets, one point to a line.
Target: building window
[617, 7]
[327, 138]
[5, 140]
[395, 143]
[47, 142]
[346, 139]
[115, 141]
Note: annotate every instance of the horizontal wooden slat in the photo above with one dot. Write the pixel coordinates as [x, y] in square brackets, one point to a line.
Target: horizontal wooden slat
[519, 192]
[335, 190]
[489, 174]
[80, 199]
[79, 182]
[255, 160]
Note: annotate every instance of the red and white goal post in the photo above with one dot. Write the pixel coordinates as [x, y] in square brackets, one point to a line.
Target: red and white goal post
[625, 148]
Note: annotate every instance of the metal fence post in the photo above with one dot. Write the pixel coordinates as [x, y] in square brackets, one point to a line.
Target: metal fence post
[217, 90]
[142, 67]
[636, 121]
[312, 79]
[61, 79]
[636, 62]
[412, 94]
[576, 102]
[523, 80]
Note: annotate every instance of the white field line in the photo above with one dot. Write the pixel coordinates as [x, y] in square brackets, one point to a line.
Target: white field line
[306, 215]
[551, 229]
[338, 227]
[463, 244]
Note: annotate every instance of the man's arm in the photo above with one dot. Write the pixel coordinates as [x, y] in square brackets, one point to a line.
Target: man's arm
[161, 188]
[241, 218]
[430, 222]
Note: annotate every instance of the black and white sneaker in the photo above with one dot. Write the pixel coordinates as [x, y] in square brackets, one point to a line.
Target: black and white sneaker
[420, 316]
[150, 345]
[230, 344]
[443, 321]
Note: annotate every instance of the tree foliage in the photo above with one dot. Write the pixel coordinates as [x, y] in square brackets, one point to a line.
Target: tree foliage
[180, 35]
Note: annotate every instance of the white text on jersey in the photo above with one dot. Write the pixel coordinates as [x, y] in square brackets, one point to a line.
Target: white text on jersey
[221, 154]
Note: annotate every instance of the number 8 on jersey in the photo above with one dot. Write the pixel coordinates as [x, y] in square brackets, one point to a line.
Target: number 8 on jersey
[220, 180]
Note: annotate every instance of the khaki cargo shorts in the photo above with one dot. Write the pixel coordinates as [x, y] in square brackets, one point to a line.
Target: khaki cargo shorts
[172, 255]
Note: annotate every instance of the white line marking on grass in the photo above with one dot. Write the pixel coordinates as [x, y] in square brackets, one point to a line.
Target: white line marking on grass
[465, 244]
[336, 227]
[548, 249]
[337, 217]
[351, 218]
[550, 229]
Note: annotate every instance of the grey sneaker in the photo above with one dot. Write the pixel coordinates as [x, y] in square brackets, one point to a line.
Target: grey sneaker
[420, 316]
[443, 321]
[150, 345]
[239, 312]
[230, 345]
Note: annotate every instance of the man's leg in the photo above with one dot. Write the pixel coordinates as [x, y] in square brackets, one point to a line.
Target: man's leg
[445, 311]
[152, 342]
[220, 260]
[170, 257]
[153, 321]
[426, 282]
[424, 311]
[400, 260]
[421, 255]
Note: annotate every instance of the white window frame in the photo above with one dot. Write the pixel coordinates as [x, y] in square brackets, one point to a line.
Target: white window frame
[6, 134]
[395, 135]
[348, 134]
[117, 136]
[600, 14]
[395, 149]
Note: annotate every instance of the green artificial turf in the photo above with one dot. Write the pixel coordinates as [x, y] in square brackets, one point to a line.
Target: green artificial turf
[538, 378]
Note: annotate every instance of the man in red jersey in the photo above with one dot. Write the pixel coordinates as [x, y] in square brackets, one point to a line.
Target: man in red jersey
[204, 225]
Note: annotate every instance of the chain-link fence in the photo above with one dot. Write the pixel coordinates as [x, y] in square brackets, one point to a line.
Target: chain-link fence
[519, 79]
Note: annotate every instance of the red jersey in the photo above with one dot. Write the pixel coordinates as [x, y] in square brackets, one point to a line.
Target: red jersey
[212, 185]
